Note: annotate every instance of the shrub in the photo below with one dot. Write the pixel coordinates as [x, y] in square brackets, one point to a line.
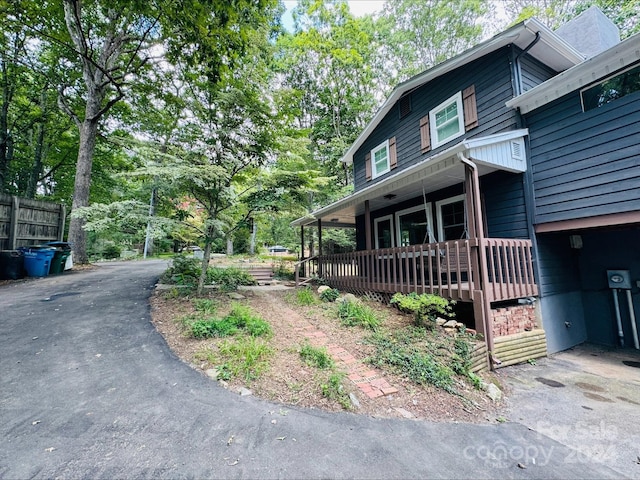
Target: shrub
[358, 314]
[425, 307]
[206, 305]
[283, 271]
[330, 295]
[229, 278]
[112, 251]
[316, 357]
[184, 270]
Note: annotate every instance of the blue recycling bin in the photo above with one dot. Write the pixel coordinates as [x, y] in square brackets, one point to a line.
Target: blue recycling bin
[37, 260]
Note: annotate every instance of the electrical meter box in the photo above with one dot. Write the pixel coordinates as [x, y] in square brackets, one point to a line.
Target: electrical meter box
[619, 279]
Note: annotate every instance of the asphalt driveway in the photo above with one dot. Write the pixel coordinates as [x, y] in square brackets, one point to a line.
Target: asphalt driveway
[88, 388]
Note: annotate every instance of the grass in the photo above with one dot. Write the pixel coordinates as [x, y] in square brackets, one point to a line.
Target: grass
[358, 314]
[333, 389]
[239, 319]
[316, 356]
[303, 297]
[245, 356]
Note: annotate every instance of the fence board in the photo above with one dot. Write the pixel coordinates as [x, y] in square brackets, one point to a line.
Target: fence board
[26, 222]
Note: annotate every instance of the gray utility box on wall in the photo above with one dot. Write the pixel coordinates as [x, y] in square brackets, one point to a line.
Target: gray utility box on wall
[619, 279]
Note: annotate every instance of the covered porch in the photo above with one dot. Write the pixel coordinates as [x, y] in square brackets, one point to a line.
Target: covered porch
[474, 269]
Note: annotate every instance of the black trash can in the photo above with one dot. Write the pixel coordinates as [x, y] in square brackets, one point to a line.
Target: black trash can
[11, 265]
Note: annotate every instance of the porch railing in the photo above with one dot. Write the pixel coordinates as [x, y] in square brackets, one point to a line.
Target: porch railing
[451, 269]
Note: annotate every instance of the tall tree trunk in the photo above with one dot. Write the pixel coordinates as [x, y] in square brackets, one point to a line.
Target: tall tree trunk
[82, 185]
[4, 127]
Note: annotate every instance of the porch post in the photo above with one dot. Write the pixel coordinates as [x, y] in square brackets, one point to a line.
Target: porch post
[367, 225]
[301, 250]
[471, 210]
[319, 247]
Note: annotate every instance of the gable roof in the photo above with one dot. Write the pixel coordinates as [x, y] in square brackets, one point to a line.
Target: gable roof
[596, 68]
[550, 49]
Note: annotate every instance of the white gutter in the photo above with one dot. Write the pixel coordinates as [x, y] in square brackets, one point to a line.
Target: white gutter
[596, 68]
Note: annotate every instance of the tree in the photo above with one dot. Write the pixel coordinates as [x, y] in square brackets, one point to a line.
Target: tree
[423, 33]
[111, 43]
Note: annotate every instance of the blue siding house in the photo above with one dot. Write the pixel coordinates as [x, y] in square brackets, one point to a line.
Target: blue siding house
[584, 136]
[456, 182]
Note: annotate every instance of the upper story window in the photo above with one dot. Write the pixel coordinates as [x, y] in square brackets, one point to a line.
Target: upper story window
[447, 120]
[611, 89]
[380, 157]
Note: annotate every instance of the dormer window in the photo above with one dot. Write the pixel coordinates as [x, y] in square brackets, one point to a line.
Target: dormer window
[447, 120]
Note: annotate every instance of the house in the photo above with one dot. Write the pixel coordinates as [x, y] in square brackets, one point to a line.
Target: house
[584, 136]
[443, 199]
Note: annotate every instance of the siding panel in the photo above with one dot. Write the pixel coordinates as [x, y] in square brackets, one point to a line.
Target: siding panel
[585, 163]
[504, 205]
[491, 77]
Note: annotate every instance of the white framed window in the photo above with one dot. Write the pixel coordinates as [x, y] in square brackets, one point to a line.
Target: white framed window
[383, 231]
[446, 121]
[451, 218]
[380, 160]
[414, 226]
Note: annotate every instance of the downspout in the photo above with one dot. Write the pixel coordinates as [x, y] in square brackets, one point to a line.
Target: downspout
[516, 62]
[488, 331]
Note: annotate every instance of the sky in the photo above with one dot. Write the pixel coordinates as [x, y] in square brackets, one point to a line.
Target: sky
[357, 7]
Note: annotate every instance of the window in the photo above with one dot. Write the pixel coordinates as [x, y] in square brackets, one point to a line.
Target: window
[611, 89]
[380, 159]
[447, 120]
[383, 231]
[451, 219]
[413, 226]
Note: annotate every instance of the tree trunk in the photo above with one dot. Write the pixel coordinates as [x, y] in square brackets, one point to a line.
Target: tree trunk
[229, 246]
[82, 185]
[36, 169]
[254, 231]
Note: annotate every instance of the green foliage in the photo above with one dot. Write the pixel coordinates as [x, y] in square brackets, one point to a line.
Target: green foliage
[425, 357]
[425, 307]
[305, 297]
[184, 270]
[330, 295]
[229, 278]
[333, 389]
[112, 251]
[356, 313]
[206, 305]
[246, 357]
[240, 318]
[284, 270]
[316, 356]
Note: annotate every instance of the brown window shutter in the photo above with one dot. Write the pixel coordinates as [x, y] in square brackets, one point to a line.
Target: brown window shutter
[367, 166]
[469, 105]
[393, 157]
[425, 135]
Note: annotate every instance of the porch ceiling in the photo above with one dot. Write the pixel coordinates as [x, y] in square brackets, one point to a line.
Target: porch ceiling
[491, 153]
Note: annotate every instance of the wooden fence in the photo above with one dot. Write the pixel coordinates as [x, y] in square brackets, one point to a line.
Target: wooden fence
[26, 222]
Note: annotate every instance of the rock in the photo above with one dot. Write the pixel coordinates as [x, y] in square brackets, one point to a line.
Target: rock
[354, 400]
[349, 297]
[493, 392]
[212, 373]
[450, 324]
[460, 325]
[235, 296]
[450, 331]
[403, 412]
[440, 321]
[323, 288]
[245, 392]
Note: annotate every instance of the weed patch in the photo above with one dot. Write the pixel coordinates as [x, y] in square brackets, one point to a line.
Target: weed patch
[229, 278]
[247, 357]
[303, 297]
[333, 389]
[316, 357]
[240, 318]
[424, 357]
[358, 314]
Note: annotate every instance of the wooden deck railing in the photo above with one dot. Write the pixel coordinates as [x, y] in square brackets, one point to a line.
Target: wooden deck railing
[451, 269]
